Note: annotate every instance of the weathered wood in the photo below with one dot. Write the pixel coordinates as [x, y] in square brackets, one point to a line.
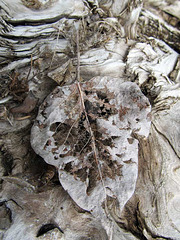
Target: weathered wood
[153, 25]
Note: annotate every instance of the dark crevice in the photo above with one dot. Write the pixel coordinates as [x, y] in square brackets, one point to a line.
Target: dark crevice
[46, 228]
[146, 89]
[37, 22]
[32, 38]
[5, 216]
[134, 223]
[7, 162]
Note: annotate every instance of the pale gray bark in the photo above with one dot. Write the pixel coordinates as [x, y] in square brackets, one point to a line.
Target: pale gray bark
[106, 160]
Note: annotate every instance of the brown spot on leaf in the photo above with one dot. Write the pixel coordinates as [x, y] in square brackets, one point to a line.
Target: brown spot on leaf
[129, 161]
[122, 112]
[41, 125]
[141, 105]
[120, 155]
[48, 143]
[130, 140]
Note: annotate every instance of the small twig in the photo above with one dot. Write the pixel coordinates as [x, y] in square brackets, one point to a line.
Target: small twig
[13, 80]
[78, 57]
[23, 118]
[93, 142]
[84, 25]
[30, 68]
[70, 130]
[58, 127]
[117, 31]
[10, 122]
[92, 137]
[56, 43]
[6, 99]
[86, 115]
[85, 145]
[111, 234]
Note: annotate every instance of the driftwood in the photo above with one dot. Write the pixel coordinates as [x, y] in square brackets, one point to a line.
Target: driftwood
[89, 119]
